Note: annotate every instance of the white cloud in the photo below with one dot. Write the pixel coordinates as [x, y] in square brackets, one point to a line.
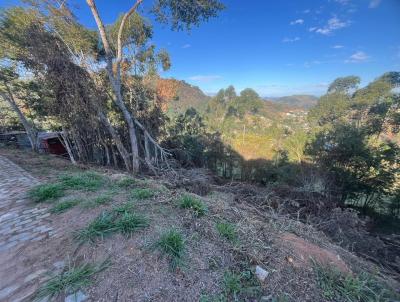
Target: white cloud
[298, 21]
[374, 3]
[337, 46]
[358, 57]
[186, 46]
[306, 11]
[334, 23]
[343, 2]
[205, 78]
[290, 40]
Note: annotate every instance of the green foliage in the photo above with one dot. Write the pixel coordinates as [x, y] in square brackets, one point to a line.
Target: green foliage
[183, 14]
[100, 227]
[124, 208]
[190, 202]
[142, 193]
[89, 181]
[227, 230]
[125, 182]
[238, 285]
[69, 281]
[172, 244]
[129, 223]
[344, 85]
[64, 206]
[46, 192]
[336, 286]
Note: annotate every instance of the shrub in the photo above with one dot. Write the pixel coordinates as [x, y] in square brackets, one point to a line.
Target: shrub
[46, 192]
[190, 202]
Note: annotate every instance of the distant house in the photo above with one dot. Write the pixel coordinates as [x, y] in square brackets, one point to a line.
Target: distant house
[49, 142]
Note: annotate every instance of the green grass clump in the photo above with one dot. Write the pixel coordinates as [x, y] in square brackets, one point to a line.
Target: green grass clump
[130, 222]
[227, 230]
[69, 281]
[142, 194]
[100, 227]
[190, 202]
[46, 192]
[240, 286]
[64, 206]
[125, 182]
[172, 244]
[337, 286]
[89, 181]
[124, 208]
[98, 200]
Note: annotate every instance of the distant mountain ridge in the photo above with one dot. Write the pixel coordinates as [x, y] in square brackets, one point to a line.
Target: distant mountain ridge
[303, 101]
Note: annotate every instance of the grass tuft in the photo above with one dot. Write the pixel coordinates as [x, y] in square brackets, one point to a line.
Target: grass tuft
[124, 208]
[142, 194]
[190, 202]
[64, 206]
[70, 281]
[126, 182]
[337, 286]
[128, 223]
[172, 244]
[100, 227]
[227, 230]
[89, 181]
[46, 192]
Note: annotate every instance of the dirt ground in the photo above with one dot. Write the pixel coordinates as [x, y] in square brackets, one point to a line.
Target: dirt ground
[139, 272]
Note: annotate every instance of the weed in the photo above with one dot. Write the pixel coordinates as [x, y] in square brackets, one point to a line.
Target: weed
[89, 181]
[142, 194]
[227, 230]
[241, 284]
[337, 286]
[70, 281]
[125, 182]
[124, 208]
[46, 192]
[172, 244]
[98, 200]
[190, 202]
[130, 222]
[232, 283]
[99, 227]
[64, 206]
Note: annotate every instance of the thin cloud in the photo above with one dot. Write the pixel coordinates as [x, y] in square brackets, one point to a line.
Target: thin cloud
[186, 46]
[337, 46]
[333, 24]
[290, 40]
[306, 11]
[205, 78]
[297, 22]
[358, 57]
[343, 2]
[374, 3]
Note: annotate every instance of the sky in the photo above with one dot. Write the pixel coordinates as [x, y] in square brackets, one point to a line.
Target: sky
[276, 47]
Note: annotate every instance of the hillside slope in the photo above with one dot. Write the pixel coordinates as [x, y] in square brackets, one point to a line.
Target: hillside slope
[297, 101]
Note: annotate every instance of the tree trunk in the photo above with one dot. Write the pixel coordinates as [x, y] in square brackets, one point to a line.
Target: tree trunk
[29, 128]
[67, 146]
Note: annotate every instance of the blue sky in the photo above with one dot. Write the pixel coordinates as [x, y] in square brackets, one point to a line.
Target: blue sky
[278, 47]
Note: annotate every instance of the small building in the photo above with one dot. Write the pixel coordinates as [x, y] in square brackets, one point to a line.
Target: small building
[49, 142]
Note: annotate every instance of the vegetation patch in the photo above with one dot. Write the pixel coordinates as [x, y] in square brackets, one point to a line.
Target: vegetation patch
[337, 286]
[142, 194]
[64, 206]
[227, 230]
[46, 192]
[126, 207]
[172, 244]
[237, 285]
[100, 227]
[89, 181]
[126, 182]
[128, 223]
[69, 281]
[189, 202]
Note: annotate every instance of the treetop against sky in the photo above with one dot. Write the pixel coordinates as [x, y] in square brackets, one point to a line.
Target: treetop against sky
[276, 47]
